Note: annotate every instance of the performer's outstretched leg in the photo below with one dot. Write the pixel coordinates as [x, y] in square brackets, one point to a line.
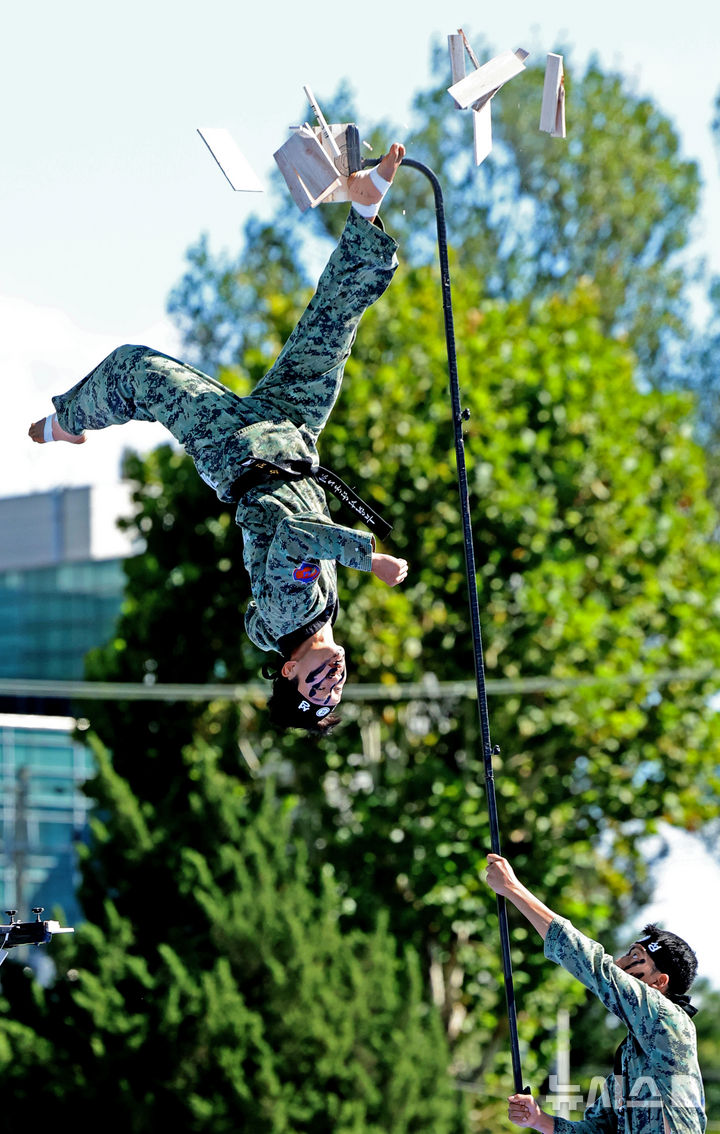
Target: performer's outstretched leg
[305, 381]
[135, 383]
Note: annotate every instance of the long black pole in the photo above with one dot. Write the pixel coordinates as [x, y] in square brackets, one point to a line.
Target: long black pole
[458, 417]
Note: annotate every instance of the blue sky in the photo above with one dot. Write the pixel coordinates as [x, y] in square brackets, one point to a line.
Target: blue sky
[104, 182]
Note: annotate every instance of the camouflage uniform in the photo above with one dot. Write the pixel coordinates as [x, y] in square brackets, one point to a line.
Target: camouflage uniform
[658, 1058]
[290, 544]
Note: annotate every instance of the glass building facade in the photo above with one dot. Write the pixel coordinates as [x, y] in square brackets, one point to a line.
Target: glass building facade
[51, 616]
[43, 814]
[61, 589]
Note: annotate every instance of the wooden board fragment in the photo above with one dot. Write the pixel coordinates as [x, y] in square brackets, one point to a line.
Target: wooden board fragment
[560, 130]
[480, 85]
[473, 57]
[482, 132]
[456, 45]
[232, 162]
[287, 168]
[325, 129]
[552, 112]
[309, 173]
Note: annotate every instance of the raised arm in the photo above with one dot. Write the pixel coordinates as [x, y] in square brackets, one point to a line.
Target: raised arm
[314, 536]
[502, 879]
[631, 1000]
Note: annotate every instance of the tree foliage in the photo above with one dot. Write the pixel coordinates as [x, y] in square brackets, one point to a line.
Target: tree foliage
[595, 560]
[613, 204]
[214, 983]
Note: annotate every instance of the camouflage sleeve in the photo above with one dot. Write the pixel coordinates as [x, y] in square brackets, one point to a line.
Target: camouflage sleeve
[256, 630]
[633, 1002]
[314, 536]
[598, 1118]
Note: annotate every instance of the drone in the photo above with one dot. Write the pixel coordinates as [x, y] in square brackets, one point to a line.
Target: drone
[27, 932]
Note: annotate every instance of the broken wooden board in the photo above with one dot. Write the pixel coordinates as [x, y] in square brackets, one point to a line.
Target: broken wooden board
[325, 131]
[482, 132]
[309, 172]
[482, 83]
[456, 45]
[232, 162]
[552, 112]
[473, 57]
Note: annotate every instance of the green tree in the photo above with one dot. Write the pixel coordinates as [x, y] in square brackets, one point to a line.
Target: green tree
[589, 510]
[613, 204]
[594, 554]
[215, 983]
[699, 374]
[707, 1023]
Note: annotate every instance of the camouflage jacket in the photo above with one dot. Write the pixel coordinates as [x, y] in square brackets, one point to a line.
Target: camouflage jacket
[660, 1090]
[291, 548]
[290, 544]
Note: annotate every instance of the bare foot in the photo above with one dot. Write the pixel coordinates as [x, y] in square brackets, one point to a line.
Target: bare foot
[360, 185]
[36, 432]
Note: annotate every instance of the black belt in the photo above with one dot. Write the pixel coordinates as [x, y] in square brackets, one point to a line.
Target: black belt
[256, 470]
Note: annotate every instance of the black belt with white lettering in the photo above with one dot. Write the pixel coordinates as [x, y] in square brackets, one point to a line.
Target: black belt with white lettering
[257, 471]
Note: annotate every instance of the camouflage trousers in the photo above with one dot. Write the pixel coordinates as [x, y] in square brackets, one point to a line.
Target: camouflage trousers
[135, 383]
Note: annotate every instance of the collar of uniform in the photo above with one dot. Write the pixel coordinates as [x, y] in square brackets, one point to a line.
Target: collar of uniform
[291, 641]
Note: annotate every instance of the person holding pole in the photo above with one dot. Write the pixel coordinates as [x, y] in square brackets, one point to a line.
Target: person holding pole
[655, 1086]
[260, 453]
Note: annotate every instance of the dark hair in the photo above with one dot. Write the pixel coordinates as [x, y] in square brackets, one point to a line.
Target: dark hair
[673, 956]
[284, 711]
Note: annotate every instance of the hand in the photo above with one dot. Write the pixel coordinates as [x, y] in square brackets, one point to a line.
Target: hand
[524, 1111]
[391, 570]
[500, 875]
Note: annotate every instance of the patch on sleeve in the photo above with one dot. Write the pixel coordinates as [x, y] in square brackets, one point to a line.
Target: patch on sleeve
[306, 572]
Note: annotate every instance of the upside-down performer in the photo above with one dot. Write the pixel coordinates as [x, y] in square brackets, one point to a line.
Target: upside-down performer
[655, 1086]
[244, 448]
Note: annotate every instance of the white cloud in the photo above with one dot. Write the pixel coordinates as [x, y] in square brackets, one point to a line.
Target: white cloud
[685, 882]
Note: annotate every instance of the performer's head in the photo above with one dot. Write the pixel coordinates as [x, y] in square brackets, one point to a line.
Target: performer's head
[307, 687]
[661, 959]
